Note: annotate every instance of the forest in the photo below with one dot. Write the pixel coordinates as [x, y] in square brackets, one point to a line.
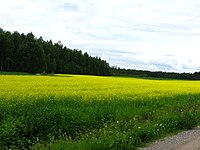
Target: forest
[117, 71]
[26, 53]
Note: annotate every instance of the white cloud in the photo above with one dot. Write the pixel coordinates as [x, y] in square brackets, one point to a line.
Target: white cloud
[144, 34]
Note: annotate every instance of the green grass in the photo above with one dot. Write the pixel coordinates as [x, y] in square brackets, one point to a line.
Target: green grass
[90, 112]
[13, 73]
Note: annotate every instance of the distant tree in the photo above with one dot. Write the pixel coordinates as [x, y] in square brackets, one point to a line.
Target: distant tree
[2, 48]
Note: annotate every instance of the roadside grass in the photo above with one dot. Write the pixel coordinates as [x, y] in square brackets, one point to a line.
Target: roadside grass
[90, 112]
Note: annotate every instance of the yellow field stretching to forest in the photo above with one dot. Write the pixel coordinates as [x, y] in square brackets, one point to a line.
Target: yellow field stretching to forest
[90, 87]
[90, 112]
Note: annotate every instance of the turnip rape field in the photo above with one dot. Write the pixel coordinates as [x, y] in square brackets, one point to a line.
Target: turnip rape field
[91, 112]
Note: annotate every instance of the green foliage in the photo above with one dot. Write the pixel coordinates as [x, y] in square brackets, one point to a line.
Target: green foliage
[153, 74]
[26, 53]
[90, 112]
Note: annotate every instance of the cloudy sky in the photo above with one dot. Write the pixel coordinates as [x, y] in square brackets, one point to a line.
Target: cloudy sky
[138, 34]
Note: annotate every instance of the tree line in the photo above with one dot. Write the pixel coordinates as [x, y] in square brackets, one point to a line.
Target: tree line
[116, 71]
[26, 53]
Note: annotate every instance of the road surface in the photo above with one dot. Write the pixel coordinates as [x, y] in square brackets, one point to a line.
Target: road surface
[187, 140]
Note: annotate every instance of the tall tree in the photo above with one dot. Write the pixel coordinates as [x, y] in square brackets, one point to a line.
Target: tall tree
[2, 48]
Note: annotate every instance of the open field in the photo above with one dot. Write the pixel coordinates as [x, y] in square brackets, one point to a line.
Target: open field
[90, 112]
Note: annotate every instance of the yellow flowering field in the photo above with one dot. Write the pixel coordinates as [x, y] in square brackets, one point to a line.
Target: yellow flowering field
[89, 112]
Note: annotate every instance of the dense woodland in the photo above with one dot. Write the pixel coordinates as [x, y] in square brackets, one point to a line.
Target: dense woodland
[26, 53]
[157, 74]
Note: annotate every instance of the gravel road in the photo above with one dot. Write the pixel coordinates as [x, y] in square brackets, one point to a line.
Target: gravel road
[187, 140]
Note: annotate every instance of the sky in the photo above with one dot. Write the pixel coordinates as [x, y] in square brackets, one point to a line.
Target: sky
[156, 35]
